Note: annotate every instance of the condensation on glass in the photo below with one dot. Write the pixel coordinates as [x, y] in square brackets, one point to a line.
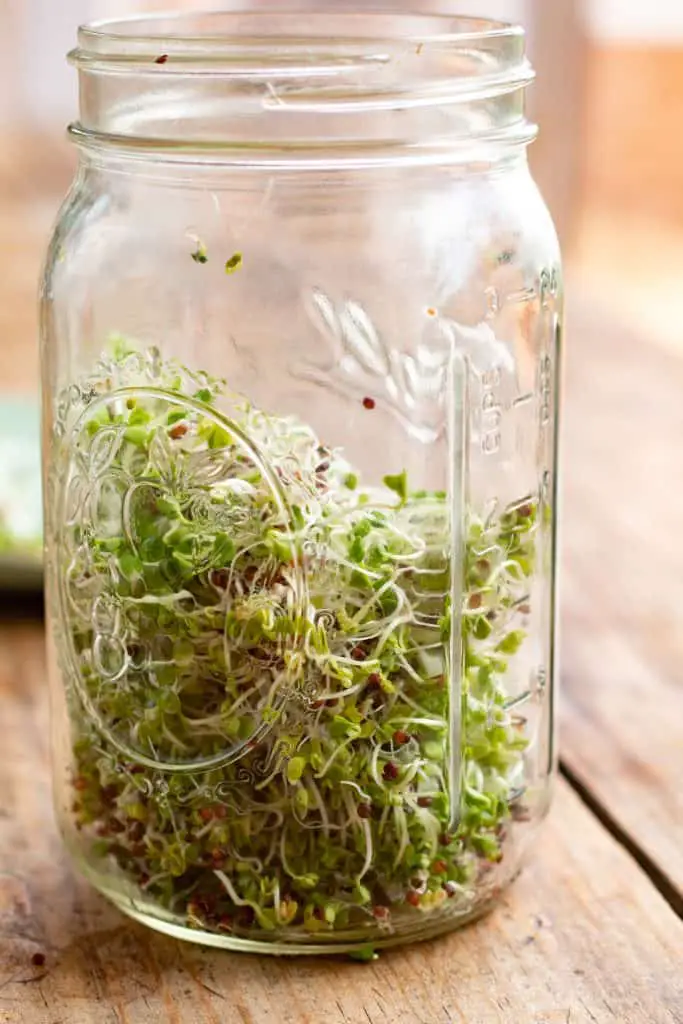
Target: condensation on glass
[301, 317]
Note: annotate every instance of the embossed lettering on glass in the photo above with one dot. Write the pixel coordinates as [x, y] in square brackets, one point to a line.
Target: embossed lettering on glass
[300, 324]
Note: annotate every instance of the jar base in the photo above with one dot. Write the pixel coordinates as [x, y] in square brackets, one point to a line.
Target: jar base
[432, 927]
[234, 944]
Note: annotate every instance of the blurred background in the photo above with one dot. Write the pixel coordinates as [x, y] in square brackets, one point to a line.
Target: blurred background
[609, 99]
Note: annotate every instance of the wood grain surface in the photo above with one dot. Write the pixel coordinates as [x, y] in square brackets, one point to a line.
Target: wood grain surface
[623, 583]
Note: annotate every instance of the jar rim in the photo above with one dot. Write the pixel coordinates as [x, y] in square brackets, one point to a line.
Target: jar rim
[195, 37]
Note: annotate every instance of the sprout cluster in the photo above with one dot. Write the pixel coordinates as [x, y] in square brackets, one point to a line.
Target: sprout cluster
[258, 672]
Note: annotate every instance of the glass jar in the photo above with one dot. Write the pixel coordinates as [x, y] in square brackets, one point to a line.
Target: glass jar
[301, 315]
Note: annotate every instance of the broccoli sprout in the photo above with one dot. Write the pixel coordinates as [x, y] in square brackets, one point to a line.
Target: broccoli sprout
[259, 675]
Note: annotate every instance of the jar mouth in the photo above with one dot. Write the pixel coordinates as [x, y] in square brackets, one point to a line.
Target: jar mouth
[220, 37]
[255, 78]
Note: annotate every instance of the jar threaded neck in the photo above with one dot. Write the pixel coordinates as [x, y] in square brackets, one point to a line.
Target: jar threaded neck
[302, 84]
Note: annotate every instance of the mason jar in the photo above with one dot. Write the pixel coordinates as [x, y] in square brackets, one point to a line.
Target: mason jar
[300, 326]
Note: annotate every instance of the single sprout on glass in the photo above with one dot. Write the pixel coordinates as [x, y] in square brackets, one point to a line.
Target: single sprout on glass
[234, 263]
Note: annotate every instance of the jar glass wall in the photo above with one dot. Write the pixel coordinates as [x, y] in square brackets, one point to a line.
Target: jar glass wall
[301, 316]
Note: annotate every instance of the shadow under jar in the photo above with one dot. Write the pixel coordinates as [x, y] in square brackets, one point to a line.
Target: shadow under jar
[300, 330]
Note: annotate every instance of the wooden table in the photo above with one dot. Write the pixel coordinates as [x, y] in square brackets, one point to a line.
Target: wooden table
[592, 931]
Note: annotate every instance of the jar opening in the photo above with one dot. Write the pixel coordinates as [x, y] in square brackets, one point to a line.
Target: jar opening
[300, 80]
[203, 35]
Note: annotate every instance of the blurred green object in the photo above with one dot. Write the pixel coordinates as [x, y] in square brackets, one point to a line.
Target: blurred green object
[21, 514]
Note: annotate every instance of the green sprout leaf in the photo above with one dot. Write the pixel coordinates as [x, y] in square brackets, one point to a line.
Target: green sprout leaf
[364, 954]
[512, 642]
[399, 485]
[234, 263]
[295, 769]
